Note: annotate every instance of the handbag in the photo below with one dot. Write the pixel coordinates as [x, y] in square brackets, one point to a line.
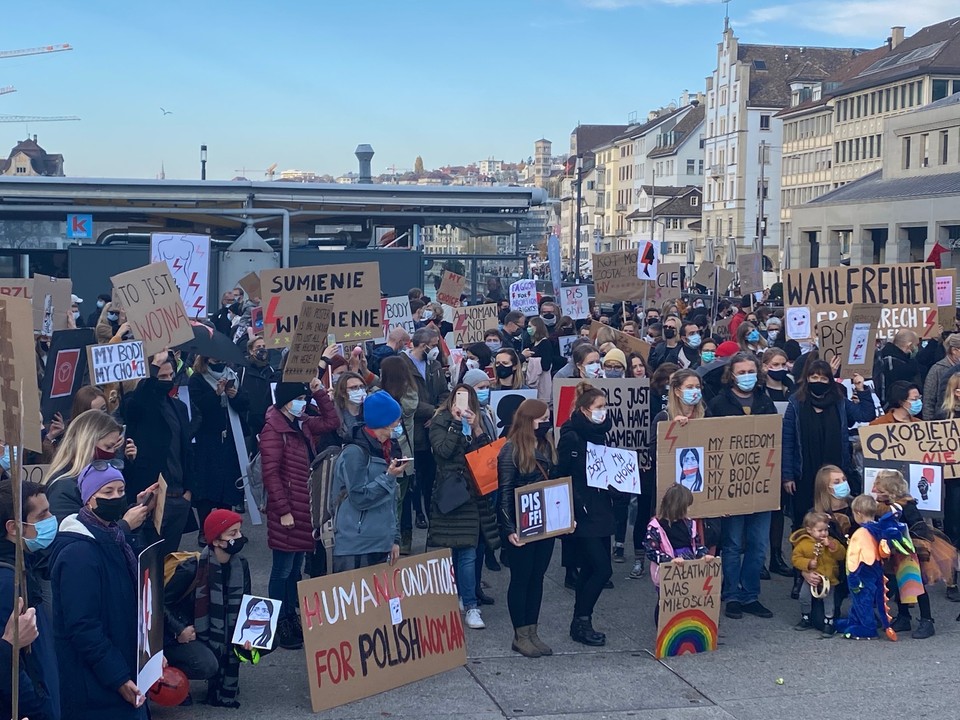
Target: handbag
[451, 492]
[482, 466]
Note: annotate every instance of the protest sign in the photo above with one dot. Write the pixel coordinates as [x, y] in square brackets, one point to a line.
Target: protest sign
[353, 290]
[150, 615]
[730, 464]
[451, 288]
[627, 343]
[309, 342]
[19, 403]
[116, 362]
[566, 345]
[575, 302]
[859, 346]
[16, 287]
[51, 303]
[945, 288]
[936, 442]
[188, 259]
[256, 319]
[647, 261]
[504, 403]
[251, 285]
[705, 274]
[153, 306]
[553, 256]
[689, 607]
[831, 335]
[750, 268]
[256, 622]
[34, 473]
[395, 312]
[615, 276]
[470, 323]
[544, 509]
[65, 372]
[668, 281]
[609, 467]
[380, 627]
[523, 297]
[906, 292]
[628, 407]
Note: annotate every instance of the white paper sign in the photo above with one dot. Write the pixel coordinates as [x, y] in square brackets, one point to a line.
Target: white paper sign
[395, 312]
[574, 302]
[647, 261]
[396, 615]
[188, 257]
[117, 362]
[798, 323]
[566, 345]
[257, 622]
[860, 335]
[613, 467]
[926, 486]
[523, 297]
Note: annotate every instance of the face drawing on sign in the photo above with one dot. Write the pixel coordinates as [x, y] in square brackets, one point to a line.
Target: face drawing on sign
[256, 628]
[690, 475]
[859, 337]
[798, 323]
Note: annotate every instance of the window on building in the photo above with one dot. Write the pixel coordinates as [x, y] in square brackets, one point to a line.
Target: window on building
[694, 200]
[691, 167]
[919, 92]
[944, 147]
[886, 100]
[903, 96]
[879, 145]
[21, 171]
[925, 150]
[591, 185]
[910, 95]
[941, 88]
[906, 153]
[733, 124]
[870, 147]
[764, 122]
[700, 167]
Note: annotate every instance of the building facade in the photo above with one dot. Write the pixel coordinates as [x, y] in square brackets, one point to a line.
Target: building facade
[28, 159]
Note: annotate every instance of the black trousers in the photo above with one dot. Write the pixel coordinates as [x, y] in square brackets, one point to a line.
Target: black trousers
[528, 565]
[426, 469]
[951, 510]
[593, 554]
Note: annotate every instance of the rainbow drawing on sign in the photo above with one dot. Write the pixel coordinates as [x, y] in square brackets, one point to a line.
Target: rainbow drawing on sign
[687, 633]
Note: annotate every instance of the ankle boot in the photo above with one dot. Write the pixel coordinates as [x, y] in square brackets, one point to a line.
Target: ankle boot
[406, 542]
[523, 644]
[538, 643]
[778, 566]
[581, 631]
[797, 584]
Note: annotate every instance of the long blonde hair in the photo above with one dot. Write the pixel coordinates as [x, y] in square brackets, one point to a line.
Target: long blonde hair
[674, 407]
[523, 437]
[821, 488]
[79, 443]
[949, 401]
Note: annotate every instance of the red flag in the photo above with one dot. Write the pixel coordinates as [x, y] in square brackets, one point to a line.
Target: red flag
[935, 252]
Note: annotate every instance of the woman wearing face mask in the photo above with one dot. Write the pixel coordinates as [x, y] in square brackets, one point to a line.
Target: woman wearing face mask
[815, 433]
[708, 351]
[540, 345]
[586, 362]
[475, 357]
[348, 396]
[287, 449]
[509, 373]
[94, 578]
[904, 404]
[744, 538]
[593, 508]
[832, 496]
[774, 332]
[528, 457]
[779, 384]
[749, 339]
[214, 390]
[255, 382]
[112, 325]
[396, 378]
[614, 364]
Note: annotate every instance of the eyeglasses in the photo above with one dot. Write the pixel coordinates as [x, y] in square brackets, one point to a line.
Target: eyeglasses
[101, 465]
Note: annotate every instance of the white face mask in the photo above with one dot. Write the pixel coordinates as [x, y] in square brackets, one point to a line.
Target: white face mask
[594, 370]
[357, 396]
[473, 365]
[433, 353]
[426, 315]
[598, 416]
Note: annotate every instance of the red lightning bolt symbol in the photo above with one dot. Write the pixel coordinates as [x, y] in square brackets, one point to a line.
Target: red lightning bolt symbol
[176, 264]
[931, 319]
[671, 435]
[271, 319]
[193, 282]
[461, 322]
[708, 585]
[770, 460]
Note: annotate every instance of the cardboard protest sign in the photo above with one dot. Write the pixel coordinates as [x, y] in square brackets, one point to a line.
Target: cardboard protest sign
[689, 607]
[668, 281]
[18, 375]
[251, 285]
[380, 627]
[906, 292]
[609, 467]
[627, 343]
[66, 371]
[831, 335]
[566, 345]
[859, 346]
[945, 288]
[353, 290]
[615, 276]
[257, 622]
[16, 287]
[451, 288]
[504, 403]
[730, 464]
[628, 406]
[188, 259]
[646, 260]
[750, 269]
[309, 342]
[470, 323]
[544, 509]
[523, 297]
[705, 274]
[153, 306]
[724, 278]
[575, 302]
[395, 312]
[936, 442]
[150, 615]
[116, 362]
[34, 473]
[51, 303]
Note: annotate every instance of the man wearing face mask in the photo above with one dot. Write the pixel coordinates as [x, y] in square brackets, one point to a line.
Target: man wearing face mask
[514, 332]
[549, 313]
[899, 360]
[669, 349]
[94, 317]
[39, 681]
[255, 382]
[689, 356]
[159, 425]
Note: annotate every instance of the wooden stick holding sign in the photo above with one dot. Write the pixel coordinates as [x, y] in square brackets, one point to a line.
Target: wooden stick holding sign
[309, 342]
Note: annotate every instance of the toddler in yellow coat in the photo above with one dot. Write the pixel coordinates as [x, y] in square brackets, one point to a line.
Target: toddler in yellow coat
[818, 558]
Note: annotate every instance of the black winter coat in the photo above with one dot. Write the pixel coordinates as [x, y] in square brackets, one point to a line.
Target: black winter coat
[510, 478]
[593, 507]
[218, 468]
[726, 404]
[255, 384]
[432, 391]
[897, 365]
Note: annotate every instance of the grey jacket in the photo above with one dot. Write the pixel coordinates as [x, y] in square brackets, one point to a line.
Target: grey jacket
[935, 386]
[366, 518]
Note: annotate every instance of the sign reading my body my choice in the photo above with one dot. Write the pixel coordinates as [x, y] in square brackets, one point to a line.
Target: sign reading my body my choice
[353, 290]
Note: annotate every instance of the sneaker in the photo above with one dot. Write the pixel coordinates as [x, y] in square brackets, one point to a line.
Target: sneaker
[924, 629]
[637, 571]
[734, 611]
[286, 636]
[618, 553]
[901, 624]
[828, 628]
[953, 593]
[755, 608]
[804, 623]
[473, 620]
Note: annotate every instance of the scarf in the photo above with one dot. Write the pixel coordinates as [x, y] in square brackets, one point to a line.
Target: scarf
[88, 518]
[213, 379]
[828, 400]
[820, 435]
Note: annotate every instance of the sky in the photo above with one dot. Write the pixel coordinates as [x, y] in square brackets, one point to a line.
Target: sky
[302, 83]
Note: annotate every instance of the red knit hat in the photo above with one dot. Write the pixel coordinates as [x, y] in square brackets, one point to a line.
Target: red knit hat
[727, 348]
[218, 522]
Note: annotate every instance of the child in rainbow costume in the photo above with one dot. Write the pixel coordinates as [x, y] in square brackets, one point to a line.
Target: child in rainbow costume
[873, 542]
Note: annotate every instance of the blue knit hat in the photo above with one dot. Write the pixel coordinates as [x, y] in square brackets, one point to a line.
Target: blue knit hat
[92, 480]
[380, 410]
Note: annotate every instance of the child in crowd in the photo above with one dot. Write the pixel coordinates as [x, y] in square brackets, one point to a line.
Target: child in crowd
[933, 561]
[818, 558]
[671, 535]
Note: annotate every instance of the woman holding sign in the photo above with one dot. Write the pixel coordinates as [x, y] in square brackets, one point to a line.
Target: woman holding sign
[593, 507]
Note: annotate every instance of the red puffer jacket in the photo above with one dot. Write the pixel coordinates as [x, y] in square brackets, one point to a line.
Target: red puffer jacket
[285, 459]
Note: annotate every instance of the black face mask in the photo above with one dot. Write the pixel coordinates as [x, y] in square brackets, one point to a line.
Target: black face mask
[504, 372]
[110, 510]
[819, 389]
[549, 319]
[778, 375]
[669, 333]
[234, 546]
[261, 355]
[543, 429]
[217, 367]
[164, 386]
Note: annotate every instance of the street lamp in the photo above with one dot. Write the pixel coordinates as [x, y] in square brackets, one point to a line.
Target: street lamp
[203, 162]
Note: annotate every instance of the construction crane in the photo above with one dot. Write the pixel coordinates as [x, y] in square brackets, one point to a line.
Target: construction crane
[269, 172]
[36, 118]
[7, 89]
[35, 51]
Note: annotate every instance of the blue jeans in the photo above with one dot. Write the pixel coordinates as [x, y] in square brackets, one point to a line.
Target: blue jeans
[284, 576]
[464, 560]
[744, 542]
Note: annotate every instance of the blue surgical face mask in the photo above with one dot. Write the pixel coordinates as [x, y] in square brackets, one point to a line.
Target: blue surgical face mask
[916, 406]
[483, 396]
[494, 345]
[100, 304]
[691, 396]
[840, 490]
[397, 432]
[747, 382]
[46, 532]
[113, 317]
[753, 336]
[694, 340]
[708, 356]
[297, 407]
[5, 458]
[593, 370]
